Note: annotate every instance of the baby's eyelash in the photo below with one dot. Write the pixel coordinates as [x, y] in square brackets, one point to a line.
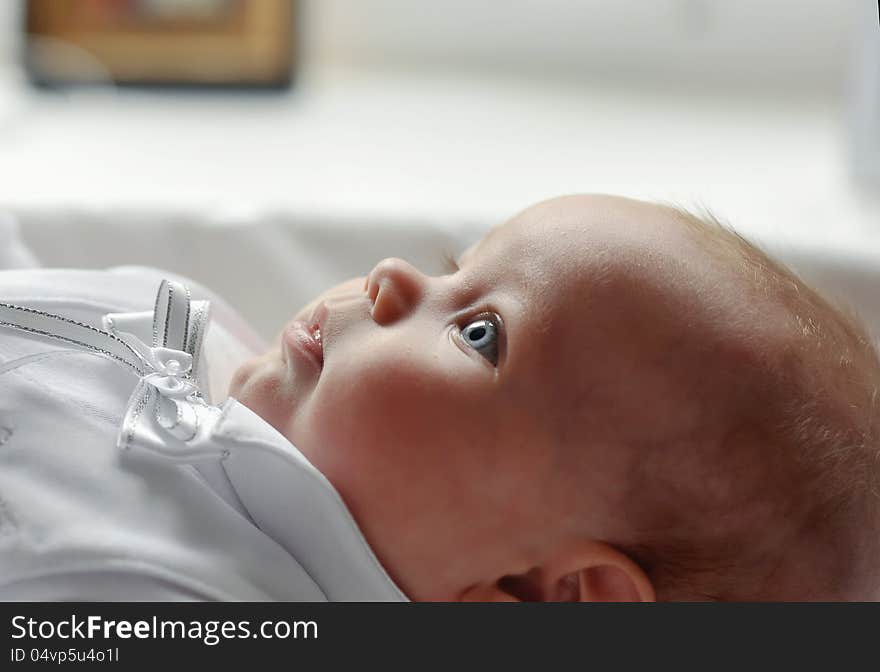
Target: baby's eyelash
[450, 265]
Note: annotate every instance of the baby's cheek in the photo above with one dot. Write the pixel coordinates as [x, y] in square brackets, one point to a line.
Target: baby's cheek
[367, 420]
[348, 412]
[374, 445]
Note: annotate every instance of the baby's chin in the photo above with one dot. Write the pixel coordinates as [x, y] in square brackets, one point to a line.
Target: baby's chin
[257, 380]
[242, 378]
[251, 366]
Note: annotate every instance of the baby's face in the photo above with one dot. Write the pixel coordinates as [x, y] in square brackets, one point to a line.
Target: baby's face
[444, 408]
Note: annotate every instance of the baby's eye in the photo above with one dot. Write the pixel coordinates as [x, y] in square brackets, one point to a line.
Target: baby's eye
[482, 336]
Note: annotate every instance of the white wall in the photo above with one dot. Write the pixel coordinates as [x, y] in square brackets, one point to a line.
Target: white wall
[790, 43]
[865, 103]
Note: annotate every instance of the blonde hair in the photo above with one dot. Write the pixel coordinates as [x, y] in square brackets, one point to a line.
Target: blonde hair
[823, 423]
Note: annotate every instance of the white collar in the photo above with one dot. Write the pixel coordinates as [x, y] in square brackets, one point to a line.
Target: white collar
[261, 474]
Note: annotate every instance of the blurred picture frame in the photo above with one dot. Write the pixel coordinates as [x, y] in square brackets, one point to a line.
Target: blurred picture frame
[213, 43]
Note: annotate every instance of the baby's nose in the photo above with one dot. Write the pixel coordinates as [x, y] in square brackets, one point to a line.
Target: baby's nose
[395, 288]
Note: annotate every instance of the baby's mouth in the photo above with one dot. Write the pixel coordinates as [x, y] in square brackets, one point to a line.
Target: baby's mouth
[303, 339]
[317, 319]
[315, 330]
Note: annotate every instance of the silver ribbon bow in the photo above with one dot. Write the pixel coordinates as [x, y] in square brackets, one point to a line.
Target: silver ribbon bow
[166, 412]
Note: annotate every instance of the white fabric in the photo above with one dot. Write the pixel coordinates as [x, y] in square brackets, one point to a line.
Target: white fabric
[80, 519]
[13, 252]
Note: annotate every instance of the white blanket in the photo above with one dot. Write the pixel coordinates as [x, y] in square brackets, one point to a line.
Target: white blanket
[13, 252]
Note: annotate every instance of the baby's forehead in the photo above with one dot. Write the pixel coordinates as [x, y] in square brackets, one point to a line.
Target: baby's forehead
[606, 271]
[585, 225]
[584, 241]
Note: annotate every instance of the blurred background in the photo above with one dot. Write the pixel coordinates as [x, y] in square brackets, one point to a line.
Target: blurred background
[269, 148]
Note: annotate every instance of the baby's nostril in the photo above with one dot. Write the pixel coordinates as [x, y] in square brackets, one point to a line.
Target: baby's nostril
[387, 305]
[377, 295]
[372, 290]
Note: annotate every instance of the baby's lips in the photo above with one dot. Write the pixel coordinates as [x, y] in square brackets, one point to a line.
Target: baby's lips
[318, 318]
[299, 336]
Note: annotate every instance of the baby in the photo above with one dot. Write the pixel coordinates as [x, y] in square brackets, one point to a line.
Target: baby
[607, 400]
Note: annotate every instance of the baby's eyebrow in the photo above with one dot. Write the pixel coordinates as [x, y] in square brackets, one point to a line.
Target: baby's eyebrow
[493, 230]
[473, 248]
[447, 259]
[467, 251]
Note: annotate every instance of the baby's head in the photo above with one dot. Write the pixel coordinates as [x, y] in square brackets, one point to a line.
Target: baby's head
[609, 399]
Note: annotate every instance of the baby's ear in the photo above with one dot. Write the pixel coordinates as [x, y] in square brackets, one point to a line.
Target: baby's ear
[586, 571]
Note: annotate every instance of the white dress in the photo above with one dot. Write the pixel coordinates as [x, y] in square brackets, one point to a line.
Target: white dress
[114, 485]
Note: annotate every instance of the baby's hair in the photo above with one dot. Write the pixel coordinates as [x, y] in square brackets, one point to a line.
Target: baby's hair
[825, 420]
[833, 325]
